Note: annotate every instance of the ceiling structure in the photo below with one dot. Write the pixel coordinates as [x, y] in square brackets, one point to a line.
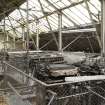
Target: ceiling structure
[5, 6]
[75, 13]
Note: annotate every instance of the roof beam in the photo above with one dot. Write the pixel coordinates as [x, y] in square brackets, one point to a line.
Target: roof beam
[9, 6]
[59, 10]
[51, 13]
[48, 24]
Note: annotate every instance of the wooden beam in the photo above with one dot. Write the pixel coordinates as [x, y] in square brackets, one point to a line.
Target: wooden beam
[84, 78]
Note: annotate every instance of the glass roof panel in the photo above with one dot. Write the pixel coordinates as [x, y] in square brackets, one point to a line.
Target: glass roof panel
[72, 16]
[96, 3]
[93, 8]
[66, 22]
[59, 3]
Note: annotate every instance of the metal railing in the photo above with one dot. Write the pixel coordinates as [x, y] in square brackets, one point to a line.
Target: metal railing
[64, 93]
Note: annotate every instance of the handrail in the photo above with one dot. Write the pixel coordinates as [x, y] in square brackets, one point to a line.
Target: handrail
[40, 82]
[34, 79]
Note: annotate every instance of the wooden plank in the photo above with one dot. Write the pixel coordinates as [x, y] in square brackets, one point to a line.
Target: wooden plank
[84, 78]
[65, 72]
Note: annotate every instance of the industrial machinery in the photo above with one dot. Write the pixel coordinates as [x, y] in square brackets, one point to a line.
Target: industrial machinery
[45, 71]
[51, 67]
[48, 68]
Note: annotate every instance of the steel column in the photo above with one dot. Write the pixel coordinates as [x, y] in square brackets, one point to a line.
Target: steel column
[37, 35]
[7, 40]
[60, 30]
[103, 26]
[14, 42]
[4, 32]
[27, 26]
[23, 37]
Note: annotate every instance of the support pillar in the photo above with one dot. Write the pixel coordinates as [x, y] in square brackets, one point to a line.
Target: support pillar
[27, 26]
[4, 31]
[37, 35]
[23, 37]
[7, 40]
[60, 30]
[103, 27]
[14, 42]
